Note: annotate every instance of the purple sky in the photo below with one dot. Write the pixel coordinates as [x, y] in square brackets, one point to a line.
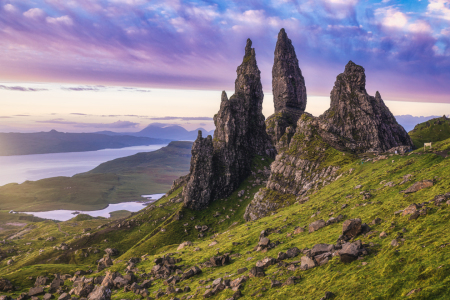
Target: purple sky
[403, 45]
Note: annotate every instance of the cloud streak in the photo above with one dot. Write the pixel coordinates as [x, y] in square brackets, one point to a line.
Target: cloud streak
[115, 125]
[21, 88]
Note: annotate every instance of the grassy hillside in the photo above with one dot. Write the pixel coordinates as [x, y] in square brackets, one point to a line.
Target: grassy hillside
[417, 268]
[57, 142]
[119, 180]
[434, 130]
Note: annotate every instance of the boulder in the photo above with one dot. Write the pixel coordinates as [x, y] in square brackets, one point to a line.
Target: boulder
[316, 225]
[351, 228]
[6, 285]
[257, 272]
[112, 251]
[410, 209]
[266, 262]
[36, 291]
[307, 263]
[350, 251]
[184, 244]
[100, 293]
[319, 249]
[418, 186]
[220, 260]
[41, 280]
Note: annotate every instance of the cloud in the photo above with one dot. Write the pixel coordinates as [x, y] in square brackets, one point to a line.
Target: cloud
[81, 88]
[63, 20]
[198, 44]
[115, 125]
[34, 13]
[21, 88]
[79, 114]
[181, 118]
[392, 17]
[439, 9]
[21, 115]
[5, 117]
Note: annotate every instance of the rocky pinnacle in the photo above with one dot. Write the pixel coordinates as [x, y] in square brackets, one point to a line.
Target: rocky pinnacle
[219, 165]
[289, 90]
[288, 84]
[360, 122]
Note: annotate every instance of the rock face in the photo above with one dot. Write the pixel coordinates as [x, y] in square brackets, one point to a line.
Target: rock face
[358, 122]
[289, 90]
[219, 165]
[310, 157]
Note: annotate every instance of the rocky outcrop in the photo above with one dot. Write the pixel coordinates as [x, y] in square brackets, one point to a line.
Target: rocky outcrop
[219, 165]
[359, 122]
[312, 156]
[289, 90]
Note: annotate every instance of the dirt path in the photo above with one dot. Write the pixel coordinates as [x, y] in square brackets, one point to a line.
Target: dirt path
[59, 228]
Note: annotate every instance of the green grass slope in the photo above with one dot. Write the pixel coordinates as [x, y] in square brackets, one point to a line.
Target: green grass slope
[420, 263]
[120, 180]
[434, 130]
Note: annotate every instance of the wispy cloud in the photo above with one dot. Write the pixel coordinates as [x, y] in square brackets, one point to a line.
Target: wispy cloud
[115, 125]
[21, 88]
[182, 118]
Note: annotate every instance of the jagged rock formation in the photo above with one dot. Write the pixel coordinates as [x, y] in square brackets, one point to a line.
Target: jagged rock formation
[355, 123]
[358, 122]
[289, 91]
[219, 165]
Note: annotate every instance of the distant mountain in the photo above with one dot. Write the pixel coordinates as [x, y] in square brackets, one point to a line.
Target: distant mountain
[57, 142]
[408, 122]
[159, 131]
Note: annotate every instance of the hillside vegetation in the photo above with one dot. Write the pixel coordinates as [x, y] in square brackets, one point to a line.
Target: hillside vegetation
[434, 130]
[120, 180]
[406, 257]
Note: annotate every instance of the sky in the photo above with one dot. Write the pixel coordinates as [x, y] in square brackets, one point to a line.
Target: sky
[91, 65]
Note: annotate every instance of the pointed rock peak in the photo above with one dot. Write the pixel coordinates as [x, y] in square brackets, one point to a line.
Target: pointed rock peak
[378, 96]
[199, 134]
[288, 84]
[224, 96]
[248, 48]
[355, 76]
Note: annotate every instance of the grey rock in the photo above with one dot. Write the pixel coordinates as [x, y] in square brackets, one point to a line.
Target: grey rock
[100, 293]
[64, 296]
[316, 225]
[307, 263]
[36, 291]
[6, 285]
[350, 251]
[257, 272]
[319, 249]
[351, 228]
[289, 90]
[41, 280]
[240, 135]
[418, 186]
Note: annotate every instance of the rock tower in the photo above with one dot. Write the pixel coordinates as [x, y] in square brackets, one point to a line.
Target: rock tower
[288, 87]
[219, 165]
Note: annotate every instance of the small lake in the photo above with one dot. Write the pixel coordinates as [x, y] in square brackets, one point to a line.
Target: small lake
[33, 167]
[64, 215]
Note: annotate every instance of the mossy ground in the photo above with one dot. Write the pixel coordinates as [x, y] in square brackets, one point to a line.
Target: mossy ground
[434, 130]
[422, 261]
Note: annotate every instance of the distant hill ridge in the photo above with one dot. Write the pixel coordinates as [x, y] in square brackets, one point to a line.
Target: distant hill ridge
[58, 142]
[159, 131]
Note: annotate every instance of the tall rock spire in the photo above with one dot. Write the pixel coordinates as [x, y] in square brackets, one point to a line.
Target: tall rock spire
[289, 90]
[288, 84]
[219, 165]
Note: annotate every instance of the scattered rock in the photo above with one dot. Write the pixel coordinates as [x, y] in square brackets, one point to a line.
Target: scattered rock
[418, 186]
[316, 225]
